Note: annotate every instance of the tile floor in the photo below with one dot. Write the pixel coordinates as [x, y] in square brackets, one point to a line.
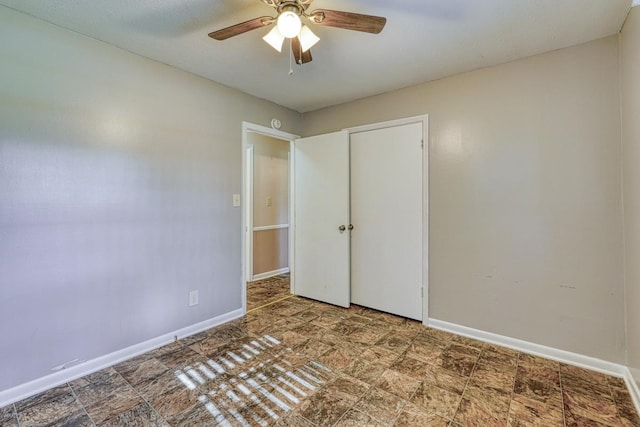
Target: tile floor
[301, 363]
[267, 291]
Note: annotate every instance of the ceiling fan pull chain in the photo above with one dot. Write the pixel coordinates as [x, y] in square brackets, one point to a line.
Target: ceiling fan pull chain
[290, 57]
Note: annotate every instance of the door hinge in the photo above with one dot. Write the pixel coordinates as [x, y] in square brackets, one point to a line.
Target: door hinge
[422, 143]
[421, 292]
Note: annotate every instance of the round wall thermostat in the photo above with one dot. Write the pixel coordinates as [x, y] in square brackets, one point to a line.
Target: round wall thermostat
[275, 123]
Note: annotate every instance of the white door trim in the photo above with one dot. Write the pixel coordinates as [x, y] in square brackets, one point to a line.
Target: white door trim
[424, 119]
[247, 211]
[292, 219]
[391, 123]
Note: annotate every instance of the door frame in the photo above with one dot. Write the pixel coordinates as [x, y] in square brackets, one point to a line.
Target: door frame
[424, 119]
[248, 211]
[246, 246]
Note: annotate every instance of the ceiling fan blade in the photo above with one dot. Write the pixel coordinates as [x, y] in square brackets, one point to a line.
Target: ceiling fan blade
[243, 27]
[348, 20]
[300, 56]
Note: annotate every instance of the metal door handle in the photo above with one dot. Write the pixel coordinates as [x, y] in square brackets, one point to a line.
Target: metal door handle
[342, 228]
[350, 227]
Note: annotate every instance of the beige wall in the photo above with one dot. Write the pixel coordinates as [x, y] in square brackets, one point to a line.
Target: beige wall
[630, 101]
[525, 198]
[270, 181]
[271, 250]
[116, 183]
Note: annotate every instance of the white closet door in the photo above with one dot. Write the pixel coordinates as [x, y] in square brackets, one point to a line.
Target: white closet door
[321, 207]
[386, 211]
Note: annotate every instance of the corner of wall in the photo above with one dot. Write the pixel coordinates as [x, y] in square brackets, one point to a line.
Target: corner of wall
[635, 373]
[629, 64]
[622, 201]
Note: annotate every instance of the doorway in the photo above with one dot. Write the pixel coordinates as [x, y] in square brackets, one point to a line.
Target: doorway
[266, 213]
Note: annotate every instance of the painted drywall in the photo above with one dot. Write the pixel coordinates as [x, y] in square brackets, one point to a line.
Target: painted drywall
[116, 183]
[270, 202]
[271, 250]
[525, 218]
[630, 108]
[270, 180]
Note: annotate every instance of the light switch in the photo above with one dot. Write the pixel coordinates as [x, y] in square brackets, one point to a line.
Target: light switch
[236, 200]
[269, 201]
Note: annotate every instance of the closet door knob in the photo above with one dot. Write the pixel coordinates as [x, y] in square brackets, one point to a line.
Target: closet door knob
[342, 228]
[350, 227]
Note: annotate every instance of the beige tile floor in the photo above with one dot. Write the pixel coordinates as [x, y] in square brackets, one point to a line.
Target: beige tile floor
[298, 362]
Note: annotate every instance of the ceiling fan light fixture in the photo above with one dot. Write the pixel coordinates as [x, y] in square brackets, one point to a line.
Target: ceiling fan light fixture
[275, 39]
[307, 38]
[289, 24]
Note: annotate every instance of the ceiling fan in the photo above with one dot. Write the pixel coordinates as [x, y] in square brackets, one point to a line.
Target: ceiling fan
[289, 25]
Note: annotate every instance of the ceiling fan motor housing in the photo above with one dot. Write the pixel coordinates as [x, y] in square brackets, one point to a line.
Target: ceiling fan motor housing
[291, 6]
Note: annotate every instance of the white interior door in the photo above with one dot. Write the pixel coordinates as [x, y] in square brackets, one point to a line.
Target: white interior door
[387, 214]
[321, 207]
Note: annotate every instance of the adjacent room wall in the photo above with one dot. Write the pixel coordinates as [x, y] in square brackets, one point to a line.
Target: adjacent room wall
[271, 252]
[630, 102]
[525, 204]
[116, 183]
[270, 202]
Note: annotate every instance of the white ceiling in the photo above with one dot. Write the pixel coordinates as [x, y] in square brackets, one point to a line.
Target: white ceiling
[423, 40]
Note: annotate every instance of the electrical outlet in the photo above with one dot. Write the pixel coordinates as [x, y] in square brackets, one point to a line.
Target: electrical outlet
[193, 298]
[269, 201]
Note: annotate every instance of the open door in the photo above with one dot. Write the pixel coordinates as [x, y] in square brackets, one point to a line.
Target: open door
[321, 218]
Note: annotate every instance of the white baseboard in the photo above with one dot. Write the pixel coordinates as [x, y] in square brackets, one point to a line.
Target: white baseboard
[633, 384]
[635, 375]
[268, 274]
[39, 385]
[587, 362]
[563, 356]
